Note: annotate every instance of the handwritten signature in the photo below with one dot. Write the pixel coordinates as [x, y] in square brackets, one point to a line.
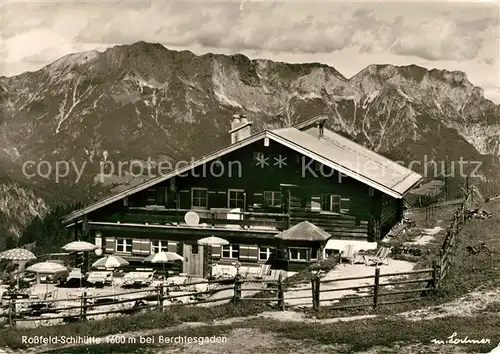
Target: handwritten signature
[466, 340]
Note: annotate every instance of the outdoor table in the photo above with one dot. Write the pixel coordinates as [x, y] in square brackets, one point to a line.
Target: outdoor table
[15, 296]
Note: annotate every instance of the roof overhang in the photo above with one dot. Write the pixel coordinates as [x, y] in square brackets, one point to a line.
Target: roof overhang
[233, 147]
[337, 167]
[320, 118]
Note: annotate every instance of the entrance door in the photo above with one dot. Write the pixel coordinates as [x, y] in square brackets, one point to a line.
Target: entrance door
[193, 260]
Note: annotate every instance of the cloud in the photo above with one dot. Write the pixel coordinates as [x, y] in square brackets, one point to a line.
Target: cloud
[36, 33]
[451, 36]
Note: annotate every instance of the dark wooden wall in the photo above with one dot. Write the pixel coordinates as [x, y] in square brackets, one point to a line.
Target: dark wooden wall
[366, 211]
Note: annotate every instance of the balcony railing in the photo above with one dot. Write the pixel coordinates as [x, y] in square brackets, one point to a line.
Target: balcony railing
[209, 217]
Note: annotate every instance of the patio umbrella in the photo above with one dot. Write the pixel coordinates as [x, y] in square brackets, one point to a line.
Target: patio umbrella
[18, 255]
[210, 242]
[46, 267]
[164, 257]
[79, 246]
[110, 262]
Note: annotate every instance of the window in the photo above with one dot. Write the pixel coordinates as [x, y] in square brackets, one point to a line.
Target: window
[298, 254]
[194, 249]
[236, 198]
[199, 197]
[264, 253]
[272, 199]
[230, 251]
[316, 203]
[335, 203]
[158, 246]
[124, 245]
[331, 203]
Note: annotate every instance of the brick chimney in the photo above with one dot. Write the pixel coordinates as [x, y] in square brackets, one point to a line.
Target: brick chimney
[240, 128]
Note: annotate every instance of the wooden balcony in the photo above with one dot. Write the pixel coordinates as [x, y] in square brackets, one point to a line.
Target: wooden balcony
[216, 218]
[339, 226]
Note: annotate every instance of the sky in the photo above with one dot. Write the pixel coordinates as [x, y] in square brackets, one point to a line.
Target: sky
[349, 36]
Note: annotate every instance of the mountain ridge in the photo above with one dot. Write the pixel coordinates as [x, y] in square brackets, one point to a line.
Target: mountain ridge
[140, 101]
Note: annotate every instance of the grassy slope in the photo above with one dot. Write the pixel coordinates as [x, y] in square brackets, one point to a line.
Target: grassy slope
[481, 270]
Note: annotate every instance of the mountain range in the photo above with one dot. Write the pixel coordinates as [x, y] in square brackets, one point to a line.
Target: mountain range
[140, 101]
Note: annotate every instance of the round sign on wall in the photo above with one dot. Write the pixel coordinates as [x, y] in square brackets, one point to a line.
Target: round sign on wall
[98, 252]
[192, 218]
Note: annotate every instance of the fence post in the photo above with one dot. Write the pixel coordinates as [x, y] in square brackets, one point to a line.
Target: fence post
[376, 288]
[441, 253]
[160, 297]
[83, 309]
[281, 294]
[313, 292]
[435, 274]
[237, 288]
[12, 312]
[317, 293]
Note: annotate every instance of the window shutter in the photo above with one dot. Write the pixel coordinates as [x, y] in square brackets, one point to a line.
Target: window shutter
[220, 199]
[185, 199]
[172, 246]
[325, 202]
[136, 246]
[145, 247]
[253, 253]
[161, 196]
[249, 253]
[345, 205]
[110, 244]
[216, 251]
[244, 252]
[212, 199]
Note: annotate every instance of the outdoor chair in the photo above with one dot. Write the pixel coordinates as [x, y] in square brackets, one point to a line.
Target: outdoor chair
[348, 253]
[380, 257]
[144, 279]
[137, 279]
[100, 278]
[265, 270]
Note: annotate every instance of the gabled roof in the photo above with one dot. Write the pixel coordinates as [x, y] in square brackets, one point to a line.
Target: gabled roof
[333, 150]
[304, 231]
[352, 160]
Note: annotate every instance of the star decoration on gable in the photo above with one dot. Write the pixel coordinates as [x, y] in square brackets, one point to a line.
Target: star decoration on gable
[262, 161]
[280, 161]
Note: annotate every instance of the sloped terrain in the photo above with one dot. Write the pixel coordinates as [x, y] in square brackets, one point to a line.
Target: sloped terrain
[145, 101]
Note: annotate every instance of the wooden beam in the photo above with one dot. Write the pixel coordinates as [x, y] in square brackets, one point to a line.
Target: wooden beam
[75, 232]
[85, 227]
[144, 231]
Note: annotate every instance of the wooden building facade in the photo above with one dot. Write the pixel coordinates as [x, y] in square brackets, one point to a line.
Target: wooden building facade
[248, 193]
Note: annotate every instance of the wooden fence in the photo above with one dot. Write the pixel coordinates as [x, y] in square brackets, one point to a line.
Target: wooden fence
[381, 287]
[458, 220]
[425, 279]
[159, 297]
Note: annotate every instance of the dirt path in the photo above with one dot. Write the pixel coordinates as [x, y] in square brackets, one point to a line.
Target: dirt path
[247, 340]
